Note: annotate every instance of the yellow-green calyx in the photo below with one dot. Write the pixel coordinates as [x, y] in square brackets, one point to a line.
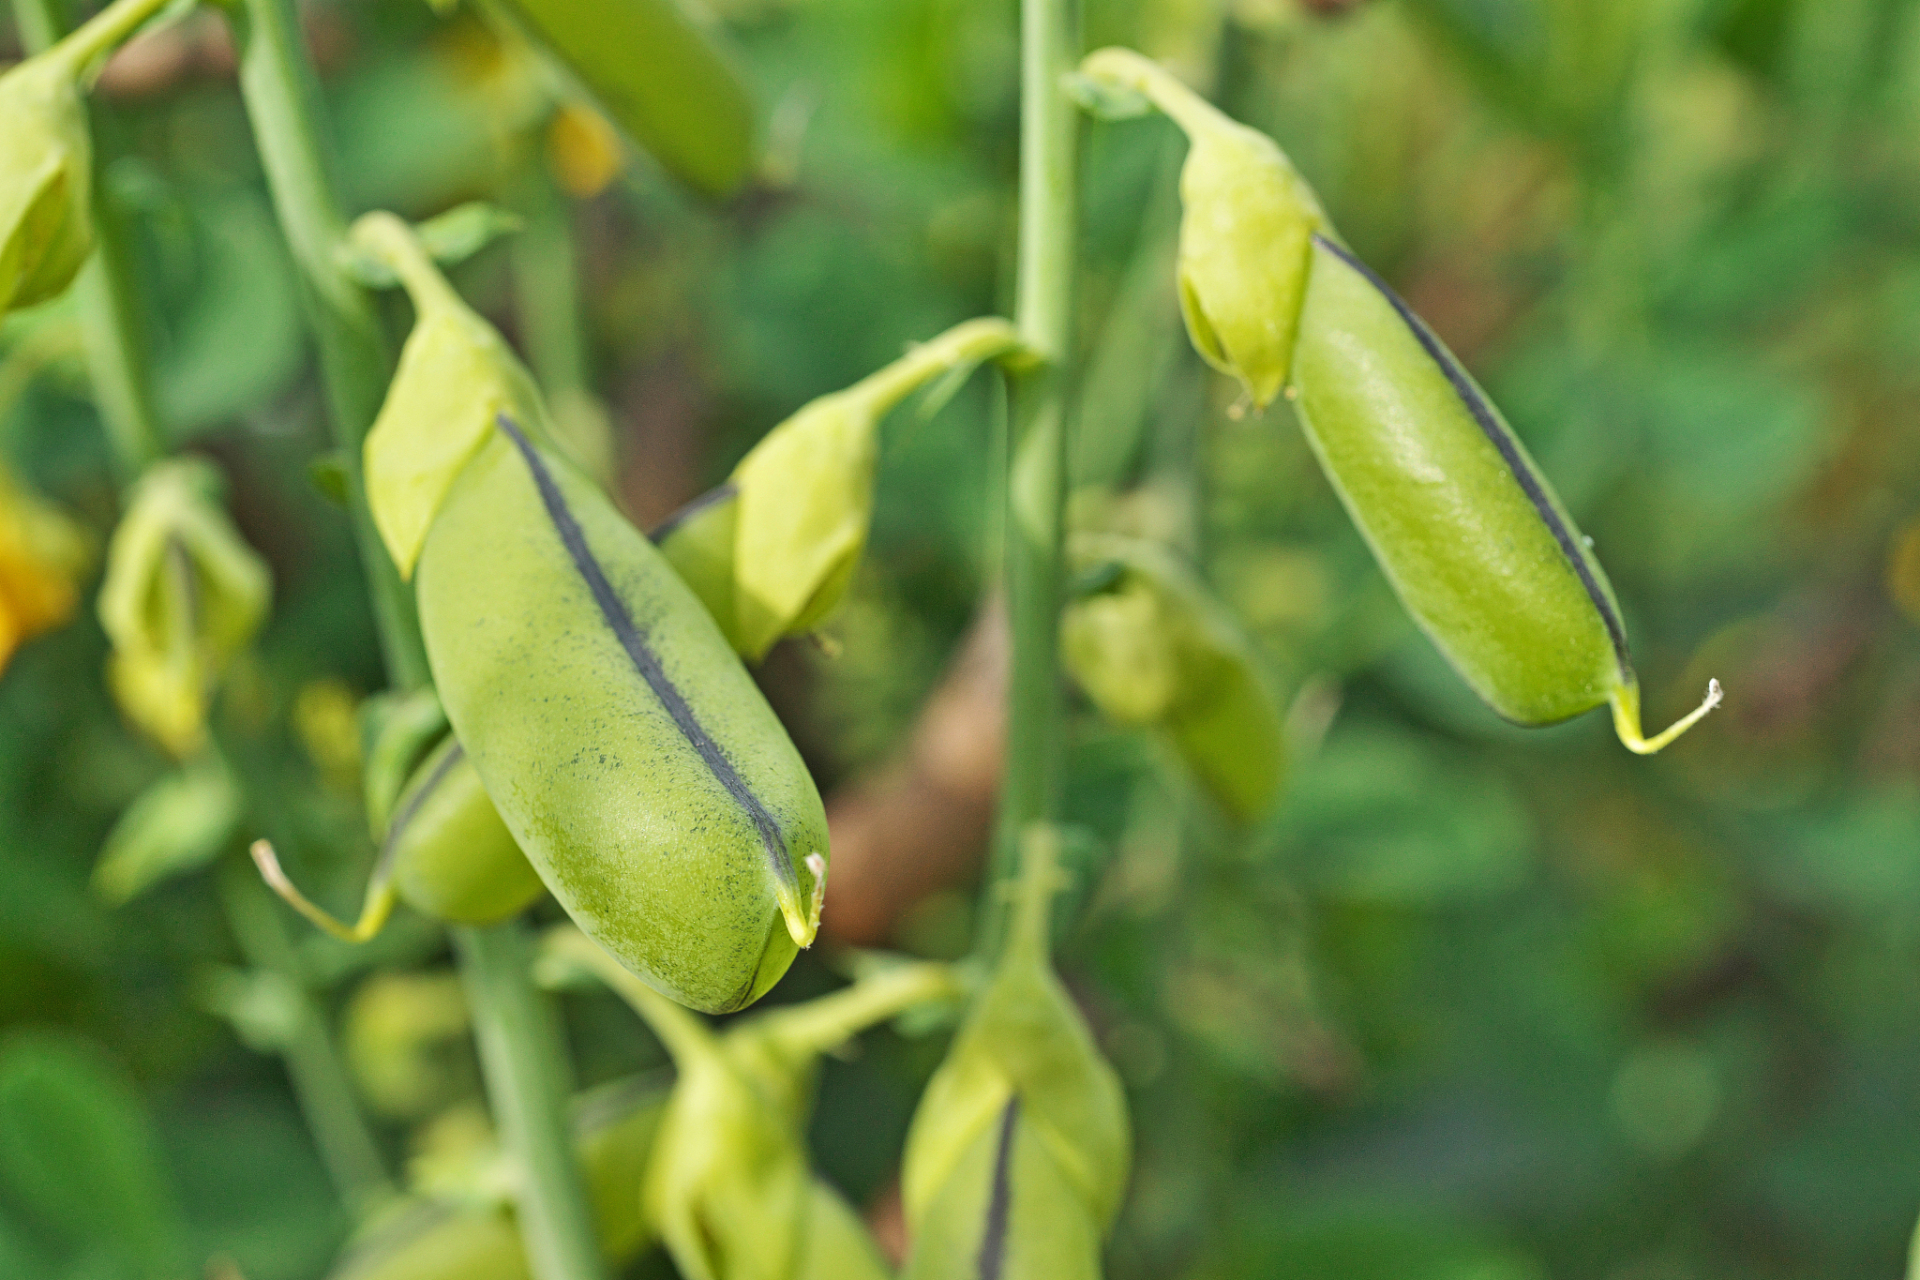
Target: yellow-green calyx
[183, 594]
[1018, 1153]
[1248, 218]
[456, 376]
[729, 1188]
[772, 552]
[46, 158]
[1150, 646]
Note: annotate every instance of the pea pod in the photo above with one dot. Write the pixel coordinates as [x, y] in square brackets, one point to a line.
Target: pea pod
[772, 552]
[46, 177]
[1151, 647]
[446, 854]
[1018, 1152]
[1468, 531]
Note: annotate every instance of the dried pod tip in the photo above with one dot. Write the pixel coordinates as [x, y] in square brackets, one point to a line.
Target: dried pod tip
[373, 915]
[1626, 718]
[800, 903]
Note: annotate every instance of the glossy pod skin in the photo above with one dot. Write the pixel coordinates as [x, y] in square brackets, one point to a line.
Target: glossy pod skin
[626, 748]
[1470, 535]
[450, 855]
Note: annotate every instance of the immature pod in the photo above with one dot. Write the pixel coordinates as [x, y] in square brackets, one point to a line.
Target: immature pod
[1465, 527]
[1247, 218]
[1151, 647]
[441, 1238]
[771, 552]
[46, 179]
[41, 554]
[626, 747]
[183, 594]
[729, 1188]
[445, 853]
[1017, 1157]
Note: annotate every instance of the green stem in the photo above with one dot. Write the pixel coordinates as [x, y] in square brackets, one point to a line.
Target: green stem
[546, 283]
[961, 347]
[282, 99]
[521, 1052]
[104, 31]
[1049, 142]
[320, 1082]
[527, 1080]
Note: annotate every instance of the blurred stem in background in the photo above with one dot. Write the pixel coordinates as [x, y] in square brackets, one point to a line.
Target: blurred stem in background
[517, 1033]
[108, 300]
[1036, 455]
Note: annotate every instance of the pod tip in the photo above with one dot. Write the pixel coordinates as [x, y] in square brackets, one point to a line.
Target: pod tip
[803, 917]
[1626, 719]
[373, 916]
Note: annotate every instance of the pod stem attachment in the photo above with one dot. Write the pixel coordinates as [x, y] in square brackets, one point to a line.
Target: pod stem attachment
[1626, 718]
[101, 34]
[686, 1037]
[955, 353]
[390, 241]
[826, 1022]
[374, 912]
[1130, 72]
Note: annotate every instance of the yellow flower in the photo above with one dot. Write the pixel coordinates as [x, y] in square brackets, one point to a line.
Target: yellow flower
[41, 555]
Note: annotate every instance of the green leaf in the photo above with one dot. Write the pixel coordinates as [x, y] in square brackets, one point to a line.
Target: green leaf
[179, 824]
[77, 1151]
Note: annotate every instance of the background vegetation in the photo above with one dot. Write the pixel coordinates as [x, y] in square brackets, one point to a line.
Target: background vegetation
[1477, 1003]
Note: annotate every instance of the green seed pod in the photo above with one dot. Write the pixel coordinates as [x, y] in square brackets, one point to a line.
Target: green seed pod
[1152, 647]
[1466, 528]
[1247, 220]
[438, 1238]
[183, 594]
[661, 77]
[446, 854]
[729, 1187]
[627, 749]
[1018, 1153]
[455, 375]
[785, 535]
[46, 178]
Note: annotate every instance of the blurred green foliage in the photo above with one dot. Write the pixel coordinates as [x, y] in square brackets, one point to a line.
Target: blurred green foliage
[1476, 1003]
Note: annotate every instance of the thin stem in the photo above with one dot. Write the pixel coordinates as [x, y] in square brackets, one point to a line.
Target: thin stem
[827, 1022]
[104, 31]
[961, 347]
[546, 279]
[1125, 69]
[1049, 142]
[522, 1056]
[277, 82]
[527, 1081]
[320, 1082]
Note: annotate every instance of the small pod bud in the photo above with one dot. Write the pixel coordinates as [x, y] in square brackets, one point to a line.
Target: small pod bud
[446, 854]
[183, 595]
[46, 178]
[629, 752]
[395, 1032]
[729, 1188]
[1467, 530]
[41, 554]
[1152, 647]
[1248, 217]
[1018, 1152]
[792, 522]
[455, 375]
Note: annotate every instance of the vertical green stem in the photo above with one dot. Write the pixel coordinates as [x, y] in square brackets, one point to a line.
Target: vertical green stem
[282, 98]
[107, 296]
[546, 279]
[313, 1059]
[1049, 214]
[521, 1053]
[527, 1079]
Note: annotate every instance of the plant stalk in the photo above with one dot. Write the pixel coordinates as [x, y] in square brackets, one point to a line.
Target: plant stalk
[522, 1056]
[1038, 416]
[528, 1083]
